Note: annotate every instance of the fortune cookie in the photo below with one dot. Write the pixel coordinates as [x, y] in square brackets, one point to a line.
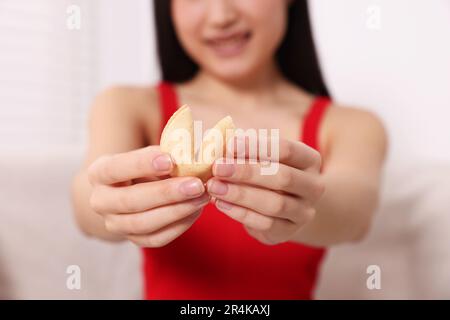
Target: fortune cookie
[177, 139]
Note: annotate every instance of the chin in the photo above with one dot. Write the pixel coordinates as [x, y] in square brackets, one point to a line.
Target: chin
[234, 73]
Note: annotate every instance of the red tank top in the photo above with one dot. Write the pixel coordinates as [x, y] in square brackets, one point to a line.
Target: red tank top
[217, 259]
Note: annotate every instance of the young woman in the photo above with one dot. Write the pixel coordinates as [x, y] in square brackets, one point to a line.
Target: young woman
[242, 235]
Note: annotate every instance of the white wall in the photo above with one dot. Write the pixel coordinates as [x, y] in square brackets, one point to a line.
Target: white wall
[127, 42]
[48, 73]
[401, 70]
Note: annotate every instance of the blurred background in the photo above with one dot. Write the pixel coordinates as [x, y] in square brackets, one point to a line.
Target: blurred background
[389, 56]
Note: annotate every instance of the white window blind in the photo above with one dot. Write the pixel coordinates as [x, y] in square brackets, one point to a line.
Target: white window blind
[48, 73]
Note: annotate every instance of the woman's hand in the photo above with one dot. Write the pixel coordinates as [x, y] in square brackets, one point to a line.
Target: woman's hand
[138, 201]
[271, 207]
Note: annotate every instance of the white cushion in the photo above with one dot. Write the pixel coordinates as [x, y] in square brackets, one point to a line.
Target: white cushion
[39, 238]
[409, 241]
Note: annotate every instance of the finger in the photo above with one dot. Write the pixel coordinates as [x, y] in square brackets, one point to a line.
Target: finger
[263, 201]
[165, 235]
[151, 221]
[286, 179]
[131, 165]
[144, 196]
[292, 153]
[274, 228]
[266, 238]
[299, 155]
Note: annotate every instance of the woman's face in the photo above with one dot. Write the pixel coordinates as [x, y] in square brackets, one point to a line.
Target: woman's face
[230, 39]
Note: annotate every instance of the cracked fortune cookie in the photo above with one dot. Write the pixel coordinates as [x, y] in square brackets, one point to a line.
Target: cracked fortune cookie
[177, 139]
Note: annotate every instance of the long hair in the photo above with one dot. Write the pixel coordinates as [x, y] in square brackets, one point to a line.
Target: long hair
[296, 56]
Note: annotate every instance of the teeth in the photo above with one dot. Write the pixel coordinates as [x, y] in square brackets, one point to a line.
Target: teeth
[229, 42]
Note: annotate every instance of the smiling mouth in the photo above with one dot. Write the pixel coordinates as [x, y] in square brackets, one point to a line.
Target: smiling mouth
[228, 46]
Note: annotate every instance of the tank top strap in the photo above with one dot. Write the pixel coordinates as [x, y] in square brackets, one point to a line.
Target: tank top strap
[312, 121]
[168, 102]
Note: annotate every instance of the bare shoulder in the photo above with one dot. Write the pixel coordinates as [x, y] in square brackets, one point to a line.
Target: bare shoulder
[351, 118]
[127, 100]
[136, 106]
[350, 127]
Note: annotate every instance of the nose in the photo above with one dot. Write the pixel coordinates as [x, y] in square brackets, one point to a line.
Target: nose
[221, 13]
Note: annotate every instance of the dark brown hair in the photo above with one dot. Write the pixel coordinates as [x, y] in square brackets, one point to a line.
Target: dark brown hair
[296, 55]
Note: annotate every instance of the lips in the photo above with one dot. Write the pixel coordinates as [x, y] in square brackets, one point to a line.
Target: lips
[229, 45]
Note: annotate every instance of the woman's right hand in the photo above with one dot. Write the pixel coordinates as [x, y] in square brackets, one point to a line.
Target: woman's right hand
[139, 201]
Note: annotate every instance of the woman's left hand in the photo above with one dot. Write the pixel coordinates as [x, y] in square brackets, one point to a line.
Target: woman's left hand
[273, 207]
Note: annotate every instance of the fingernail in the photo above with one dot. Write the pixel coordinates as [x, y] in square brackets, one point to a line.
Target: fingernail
[223, 169]
[217, 187]
[201, 200]
[224, 205]
[162, 162]
[192, 187]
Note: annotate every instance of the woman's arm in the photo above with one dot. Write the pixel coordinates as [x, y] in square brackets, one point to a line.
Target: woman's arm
[353, 158]
[116, 125]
